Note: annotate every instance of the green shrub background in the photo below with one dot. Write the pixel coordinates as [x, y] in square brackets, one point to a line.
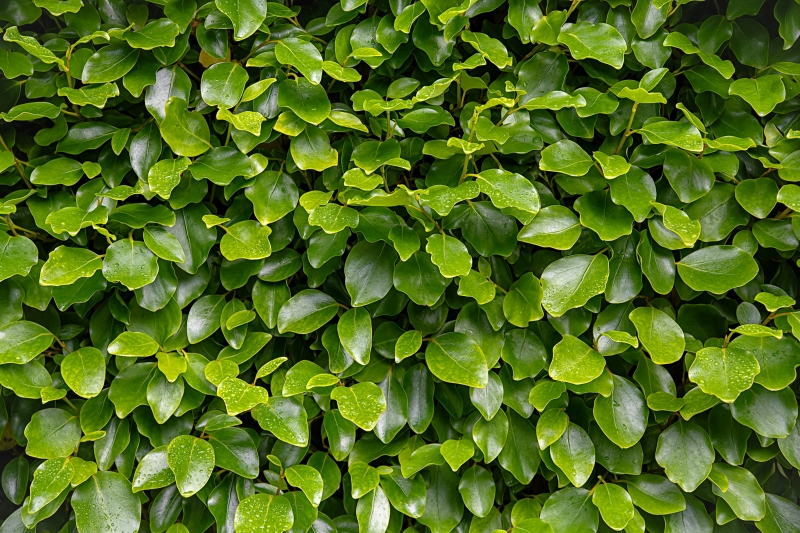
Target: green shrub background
[392, 266]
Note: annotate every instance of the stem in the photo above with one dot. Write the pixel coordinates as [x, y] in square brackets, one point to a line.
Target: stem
[14, 227]
[255, 49]
[727, 339]
[498, 287]
[11, 226]
[472, 124]
[464, 170]
[189, 72]
[627, 129]
[436, 224]
[530, 54]
[385, 181]
[774, 315]
[785, 213]
[70, 404]
[572, 8]
[61, 343]
[16, 163]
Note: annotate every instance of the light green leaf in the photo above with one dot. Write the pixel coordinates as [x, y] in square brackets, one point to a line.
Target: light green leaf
[246, 16]
[571, 281]
[574, 362]
[598, 41]
[456, 358]
[192, 461]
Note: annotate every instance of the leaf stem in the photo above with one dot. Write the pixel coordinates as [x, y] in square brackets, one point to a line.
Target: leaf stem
[16, 163]
[627, 129]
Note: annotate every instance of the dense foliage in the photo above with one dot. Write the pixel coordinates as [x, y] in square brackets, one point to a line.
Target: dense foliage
[383, 266]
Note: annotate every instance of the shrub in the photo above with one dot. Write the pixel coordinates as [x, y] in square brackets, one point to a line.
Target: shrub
[373, 267]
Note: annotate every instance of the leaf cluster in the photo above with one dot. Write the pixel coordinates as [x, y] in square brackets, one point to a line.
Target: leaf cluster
[384, 266]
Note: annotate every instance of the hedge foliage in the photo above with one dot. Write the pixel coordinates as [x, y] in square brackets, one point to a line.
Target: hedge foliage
[382, 266]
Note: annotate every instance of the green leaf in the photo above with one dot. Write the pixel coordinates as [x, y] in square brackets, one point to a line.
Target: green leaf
[724, 372]
[599, 213]
[717, 269]
[575, 362]
[263, 513]
[59, 7]
[363, 479]
[457, 452]
[49, 479]
[553, 227]
[307, 311]
[656, 494]
[744, 495]
[52, 434]
[31, 111]
[186, 133]
[419, 278]
[311, 150]
[355, 334]
[681, 134]
[769, 413]
[573, 453]
[301, 55]
[154, 34]
[286, 418]
[362, 404]
[571, 281]
[690, 177]
[240, 397]
[21, 341]
[685, 452]
[17, 256]
[521, 454]
[105, 502]
[660, 335]
[450, 255]
[273, 196]
[246, 240]
[223, 84]
[781, 515]
[566, 157]
[32, 46]
[623, 415]
[333, 218]
[568, 510]
[84, 371]
[308, 480]
[165, 175]
[110, 63]
[615, 505]
[60, 171]
[73, 219]
[192, 461]
[372, 512]
[369, 272]
[246, 17]
[509, 190]
[550, 426]
[456, 358]
[221, 165]
[763, 94]
[308, 101]
[130, 263]
[596, 41]
[133, 344]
